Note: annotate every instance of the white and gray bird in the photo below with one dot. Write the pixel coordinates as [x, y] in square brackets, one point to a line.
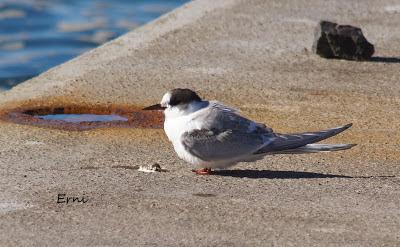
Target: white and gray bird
[209, 134]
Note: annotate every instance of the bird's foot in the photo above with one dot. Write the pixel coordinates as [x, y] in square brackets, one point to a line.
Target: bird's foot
[204, 171]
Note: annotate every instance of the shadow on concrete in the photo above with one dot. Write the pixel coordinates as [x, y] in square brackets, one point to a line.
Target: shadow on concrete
[274, 174]
[384, 59]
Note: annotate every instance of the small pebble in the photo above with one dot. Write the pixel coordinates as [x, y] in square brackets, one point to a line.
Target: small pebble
[152, 168]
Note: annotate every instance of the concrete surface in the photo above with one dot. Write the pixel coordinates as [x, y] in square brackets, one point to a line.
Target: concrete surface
[254, 55]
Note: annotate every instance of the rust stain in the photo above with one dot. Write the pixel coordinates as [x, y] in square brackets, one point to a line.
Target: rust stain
[26, 111]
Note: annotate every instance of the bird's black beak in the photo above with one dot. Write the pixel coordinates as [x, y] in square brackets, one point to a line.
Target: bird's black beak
[156, 107]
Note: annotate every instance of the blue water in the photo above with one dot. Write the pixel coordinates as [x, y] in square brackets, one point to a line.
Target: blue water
[36, 35]
[80, 118]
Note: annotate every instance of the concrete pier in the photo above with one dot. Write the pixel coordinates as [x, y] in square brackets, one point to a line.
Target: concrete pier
[254, 55]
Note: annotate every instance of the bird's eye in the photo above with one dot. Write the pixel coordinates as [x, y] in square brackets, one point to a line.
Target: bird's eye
[174, 102]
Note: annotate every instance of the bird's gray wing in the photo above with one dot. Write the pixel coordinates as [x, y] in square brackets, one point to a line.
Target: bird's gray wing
[221, 117]
[283, 142]
[225, 135]
[215, 145]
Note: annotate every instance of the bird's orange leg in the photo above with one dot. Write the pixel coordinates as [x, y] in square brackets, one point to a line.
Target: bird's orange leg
[204, 171]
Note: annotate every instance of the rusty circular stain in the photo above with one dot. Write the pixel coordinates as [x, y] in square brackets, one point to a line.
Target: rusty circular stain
[136, 118]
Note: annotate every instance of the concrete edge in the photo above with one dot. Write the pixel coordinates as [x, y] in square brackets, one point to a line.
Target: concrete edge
[60, 75]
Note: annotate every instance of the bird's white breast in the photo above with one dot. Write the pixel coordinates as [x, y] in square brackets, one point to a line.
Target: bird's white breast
[174, 128]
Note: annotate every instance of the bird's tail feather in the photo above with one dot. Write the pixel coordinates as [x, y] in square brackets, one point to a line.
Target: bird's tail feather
[315, 148]
[303, 142]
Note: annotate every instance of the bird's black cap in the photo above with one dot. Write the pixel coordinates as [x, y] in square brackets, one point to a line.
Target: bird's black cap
[183, 96]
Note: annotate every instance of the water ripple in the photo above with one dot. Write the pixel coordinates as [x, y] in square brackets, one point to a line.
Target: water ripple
[37, 35]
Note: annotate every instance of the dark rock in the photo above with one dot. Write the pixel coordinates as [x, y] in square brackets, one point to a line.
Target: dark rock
[341, 41]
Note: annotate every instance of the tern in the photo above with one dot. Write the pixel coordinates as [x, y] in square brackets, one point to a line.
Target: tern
[210, 135]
